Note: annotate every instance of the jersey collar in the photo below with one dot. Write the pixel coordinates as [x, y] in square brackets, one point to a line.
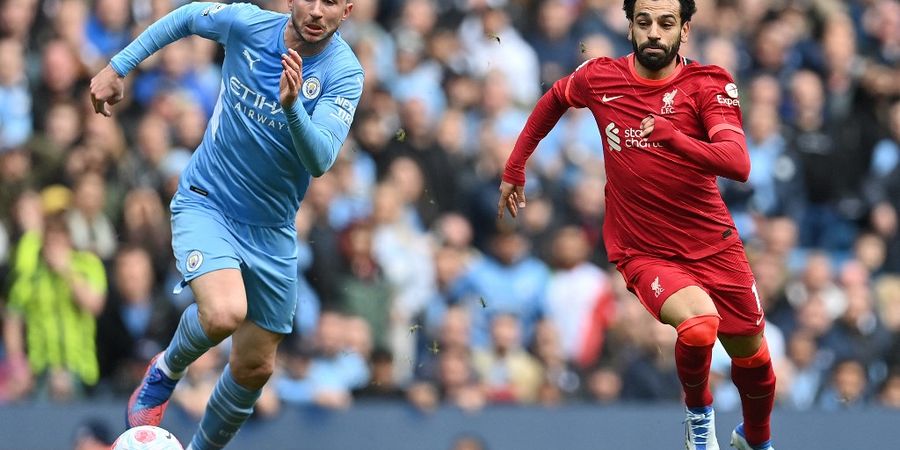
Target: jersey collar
[661, 81]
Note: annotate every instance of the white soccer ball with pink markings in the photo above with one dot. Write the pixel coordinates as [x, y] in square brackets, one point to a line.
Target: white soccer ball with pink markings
[146, 437]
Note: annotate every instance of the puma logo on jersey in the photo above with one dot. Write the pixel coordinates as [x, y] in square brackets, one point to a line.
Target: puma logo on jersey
[250, 60]
[668, 102]
[657, 288]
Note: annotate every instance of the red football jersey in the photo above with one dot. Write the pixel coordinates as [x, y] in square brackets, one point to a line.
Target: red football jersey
[657, 202]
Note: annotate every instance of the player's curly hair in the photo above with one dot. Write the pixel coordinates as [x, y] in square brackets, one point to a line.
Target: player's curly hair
[688, 8]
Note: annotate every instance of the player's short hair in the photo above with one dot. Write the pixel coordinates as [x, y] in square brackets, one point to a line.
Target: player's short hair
[688, 8]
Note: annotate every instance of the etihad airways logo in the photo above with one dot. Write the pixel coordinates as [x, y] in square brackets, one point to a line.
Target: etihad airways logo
[255, 105]
[631, 137]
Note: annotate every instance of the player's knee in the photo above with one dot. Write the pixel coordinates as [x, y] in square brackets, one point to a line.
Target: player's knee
[758, 359]
[221, 321]
[699, 331]
[253, 374]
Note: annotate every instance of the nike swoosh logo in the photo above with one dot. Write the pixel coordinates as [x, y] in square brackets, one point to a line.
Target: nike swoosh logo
[758, 397]
[609, 99]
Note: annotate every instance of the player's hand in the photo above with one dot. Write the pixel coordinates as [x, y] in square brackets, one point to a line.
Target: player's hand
[512, 197]
[107, 89]
[291, 78]
[647, 125]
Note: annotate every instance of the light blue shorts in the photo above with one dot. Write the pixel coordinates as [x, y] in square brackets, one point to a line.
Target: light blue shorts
[204, 241]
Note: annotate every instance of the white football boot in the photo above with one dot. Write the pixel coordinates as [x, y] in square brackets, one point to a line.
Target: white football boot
[700, 429]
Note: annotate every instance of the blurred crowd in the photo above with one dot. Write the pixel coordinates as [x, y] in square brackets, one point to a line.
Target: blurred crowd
[410, 290]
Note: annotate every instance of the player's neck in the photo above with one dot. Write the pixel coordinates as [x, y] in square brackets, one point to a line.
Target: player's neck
[660, 74]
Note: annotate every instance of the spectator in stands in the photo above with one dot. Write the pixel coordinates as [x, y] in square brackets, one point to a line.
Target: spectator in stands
[488, 279]
[107, 29]
[455, 384]
[57, 291]
[579, 300]
[834, 202]
[554, 42]
[487, 35]
[61, 75]
[561, 381]
[510, 374]
[847, 388]
[145, 224]
[90, 227]
[328, 375]
[364, 289]
[136, 323]
[15, 99]
[889, 394]
[469, 442]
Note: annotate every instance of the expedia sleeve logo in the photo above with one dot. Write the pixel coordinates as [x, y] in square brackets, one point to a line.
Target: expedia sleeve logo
[311, 87]
[732, 99]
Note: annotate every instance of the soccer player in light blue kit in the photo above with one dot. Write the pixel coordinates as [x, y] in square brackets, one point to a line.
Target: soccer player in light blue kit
[233, 215]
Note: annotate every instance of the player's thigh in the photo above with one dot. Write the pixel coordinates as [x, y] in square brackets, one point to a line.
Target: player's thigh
[206, 255]
[270, 278]
[666, 289]
[741, 346]
[731, 285]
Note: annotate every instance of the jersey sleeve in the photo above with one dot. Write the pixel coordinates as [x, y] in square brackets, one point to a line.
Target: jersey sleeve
[720, 108]
[210, 20]
[216, 20]
[318, 138]
[575, 89]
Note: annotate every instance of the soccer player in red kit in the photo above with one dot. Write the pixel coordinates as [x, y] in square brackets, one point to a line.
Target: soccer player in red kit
[671, 126]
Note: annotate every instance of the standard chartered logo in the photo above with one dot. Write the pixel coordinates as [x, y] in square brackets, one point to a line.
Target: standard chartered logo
[632, 138]
[612, 137]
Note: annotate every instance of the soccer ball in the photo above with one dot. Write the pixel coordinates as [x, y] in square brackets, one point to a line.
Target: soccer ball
[146, 437]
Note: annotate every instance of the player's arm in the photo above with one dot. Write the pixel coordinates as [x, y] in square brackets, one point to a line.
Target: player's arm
[543, 118]
[725, 156]
[210, 20]
[318, 138]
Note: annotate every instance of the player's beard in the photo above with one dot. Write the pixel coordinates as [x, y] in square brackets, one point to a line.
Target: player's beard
[655, 62]
[298, 30]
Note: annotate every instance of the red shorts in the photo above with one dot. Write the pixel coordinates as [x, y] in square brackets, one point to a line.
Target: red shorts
[725, 276]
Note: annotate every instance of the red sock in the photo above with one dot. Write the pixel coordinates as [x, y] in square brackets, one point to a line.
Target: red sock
[755, 380]
[693, 353]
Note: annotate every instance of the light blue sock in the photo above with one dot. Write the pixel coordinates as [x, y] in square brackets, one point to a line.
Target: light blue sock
[228, 408]
[189, 342]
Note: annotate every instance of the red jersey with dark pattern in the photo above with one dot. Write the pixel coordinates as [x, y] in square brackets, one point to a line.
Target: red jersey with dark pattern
[657, 201]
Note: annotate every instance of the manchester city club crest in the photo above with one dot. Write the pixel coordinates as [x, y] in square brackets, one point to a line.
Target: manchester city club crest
[311, 87]
[194, 260]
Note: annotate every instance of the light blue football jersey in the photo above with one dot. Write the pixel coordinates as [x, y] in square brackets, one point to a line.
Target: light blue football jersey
[255, 161]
